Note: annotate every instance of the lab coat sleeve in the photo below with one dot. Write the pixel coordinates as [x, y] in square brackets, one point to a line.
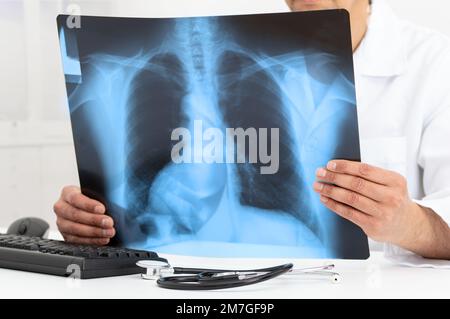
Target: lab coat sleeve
[434, 159]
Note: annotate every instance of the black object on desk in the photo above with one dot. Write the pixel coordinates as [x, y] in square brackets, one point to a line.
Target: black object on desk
[55, 257]
[30, 226]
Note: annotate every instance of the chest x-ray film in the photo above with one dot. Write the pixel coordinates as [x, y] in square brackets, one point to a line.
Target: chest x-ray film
[202, 135]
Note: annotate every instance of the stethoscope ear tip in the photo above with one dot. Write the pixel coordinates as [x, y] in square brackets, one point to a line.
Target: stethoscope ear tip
[336, 279]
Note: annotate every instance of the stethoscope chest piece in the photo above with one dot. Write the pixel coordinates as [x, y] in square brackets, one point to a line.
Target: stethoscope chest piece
[155, 269]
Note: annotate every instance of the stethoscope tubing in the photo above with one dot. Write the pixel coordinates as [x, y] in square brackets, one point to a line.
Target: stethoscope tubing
[183, 270]
[204, 279]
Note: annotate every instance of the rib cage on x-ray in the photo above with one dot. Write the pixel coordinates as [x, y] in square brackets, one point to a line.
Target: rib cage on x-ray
[149, 151]
[250, 97]
[133, 82]
[218, 82]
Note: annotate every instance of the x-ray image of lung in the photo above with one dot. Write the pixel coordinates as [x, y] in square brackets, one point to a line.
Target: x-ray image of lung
[202, 135]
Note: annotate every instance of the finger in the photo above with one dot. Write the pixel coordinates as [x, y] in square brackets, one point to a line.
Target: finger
[347, 212]
[349, 198]
[71, 228]
[73, 196]
[74, 214]
[86, 241]
[366, 171]
[354, 183]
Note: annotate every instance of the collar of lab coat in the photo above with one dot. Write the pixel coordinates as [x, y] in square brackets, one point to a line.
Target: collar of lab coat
[382, 52]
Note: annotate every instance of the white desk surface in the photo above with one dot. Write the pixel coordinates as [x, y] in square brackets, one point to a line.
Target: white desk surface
[373, 278]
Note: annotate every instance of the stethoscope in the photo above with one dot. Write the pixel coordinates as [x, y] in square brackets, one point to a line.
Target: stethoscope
[181, 278]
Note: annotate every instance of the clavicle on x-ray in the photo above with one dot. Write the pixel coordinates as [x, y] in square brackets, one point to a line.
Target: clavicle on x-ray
[202, 135]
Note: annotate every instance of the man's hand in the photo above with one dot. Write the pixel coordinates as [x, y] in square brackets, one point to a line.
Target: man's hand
[375, 199]
[82, 220]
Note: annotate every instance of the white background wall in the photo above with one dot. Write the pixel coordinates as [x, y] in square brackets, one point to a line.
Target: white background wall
[36, 151]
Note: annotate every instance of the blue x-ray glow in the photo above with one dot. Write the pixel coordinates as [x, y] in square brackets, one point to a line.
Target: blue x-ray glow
[130, 102]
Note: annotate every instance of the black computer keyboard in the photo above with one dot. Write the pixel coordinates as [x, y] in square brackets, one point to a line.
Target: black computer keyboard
[63, 259]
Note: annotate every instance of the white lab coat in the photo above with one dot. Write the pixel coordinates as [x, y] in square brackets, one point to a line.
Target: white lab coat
[403, 91]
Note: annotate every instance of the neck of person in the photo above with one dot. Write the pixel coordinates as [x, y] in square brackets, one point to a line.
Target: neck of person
[359, 21]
